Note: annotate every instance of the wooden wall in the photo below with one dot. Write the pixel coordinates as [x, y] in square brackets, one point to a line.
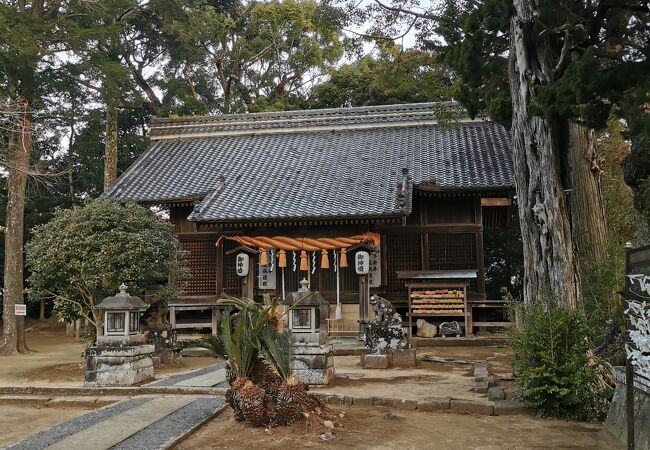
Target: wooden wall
[442, 233]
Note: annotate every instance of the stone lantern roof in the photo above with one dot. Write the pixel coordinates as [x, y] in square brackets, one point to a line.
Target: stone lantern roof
[304, 297]
[123, 301]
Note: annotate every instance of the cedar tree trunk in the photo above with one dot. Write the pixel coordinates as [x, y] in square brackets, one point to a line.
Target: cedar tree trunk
[13, 326]
[560, 205]
[110, 146]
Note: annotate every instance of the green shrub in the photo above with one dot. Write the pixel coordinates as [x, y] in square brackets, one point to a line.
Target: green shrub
[552, 365]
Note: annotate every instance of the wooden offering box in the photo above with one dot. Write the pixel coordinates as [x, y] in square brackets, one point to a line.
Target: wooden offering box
[438, 300]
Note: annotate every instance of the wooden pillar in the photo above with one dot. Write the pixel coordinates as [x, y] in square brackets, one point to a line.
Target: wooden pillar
[480, 258]
[215, 319]
[248, 282]
[172, 317]
[77, 328]
[364, 300]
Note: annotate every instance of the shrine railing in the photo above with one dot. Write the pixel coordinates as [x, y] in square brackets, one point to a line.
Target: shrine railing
[347, 327]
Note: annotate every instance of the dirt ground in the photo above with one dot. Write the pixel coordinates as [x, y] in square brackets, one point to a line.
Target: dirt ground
[17, 422]
[368, 428]
[427, 379]
[55, 360]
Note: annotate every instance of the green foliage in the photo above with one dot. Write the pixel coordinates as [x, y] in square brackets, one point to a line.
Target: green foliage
[249, 334]
[84, 253]
[504, 259]
[552, 368]
[277, 350]
[394, 76]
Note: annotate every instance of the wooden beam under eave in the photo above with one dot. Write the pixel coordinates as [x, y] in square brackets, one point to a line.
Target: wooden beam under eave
[496, 201]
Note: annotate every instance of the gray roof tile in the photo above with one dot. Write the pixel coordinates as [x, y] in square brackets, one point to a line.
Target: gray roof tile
[344, 164]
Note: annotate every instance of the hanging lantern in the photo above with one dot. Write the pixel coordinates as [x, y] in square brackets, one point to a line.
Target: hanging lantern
[344, 258]
[362, 263]
[304, 263]
[324, 260]
[282, 259]
[241, 264]
[264, 258]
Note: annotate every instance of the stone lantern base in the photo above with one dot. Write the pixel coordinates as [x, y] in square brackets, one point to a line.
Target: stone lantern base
[118, 365]
[313, 363]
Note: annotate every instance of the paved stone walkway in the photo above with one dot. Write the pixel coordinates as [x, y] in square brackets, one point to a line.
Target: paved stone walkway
[214, 375]
[139, 423]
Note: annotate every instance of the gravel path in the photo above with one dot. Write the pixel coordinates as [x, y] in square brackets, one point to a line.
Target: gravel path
[52, 435]
[175, 379]
[169, 429]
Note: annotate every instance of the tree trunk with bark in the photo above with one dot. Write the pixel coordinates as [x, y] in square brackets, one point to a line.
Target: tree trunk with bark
[110, 146]
[560, 205]
[18, 166]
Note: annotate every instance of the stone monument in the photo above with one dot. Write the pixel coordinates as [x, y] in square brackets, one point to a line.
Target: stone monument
[313, 361]
[386, 341]
[120, 356]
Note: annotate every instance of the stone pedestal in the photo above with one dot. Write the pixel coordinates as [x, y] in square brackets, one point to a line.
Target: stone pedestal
[114, 365]
[375, 361]
[164, 342]
[313, 364]
[403, 357]
[381, 337]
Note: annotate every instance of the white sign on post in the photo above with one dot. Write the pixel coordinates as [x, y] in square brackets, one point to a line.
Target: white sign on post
[375, 270]
[267, 278]
[20, 310]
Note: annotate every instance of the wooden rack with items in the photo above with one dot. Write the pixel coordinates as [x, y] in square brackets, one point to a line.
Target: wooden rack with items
[437, 300]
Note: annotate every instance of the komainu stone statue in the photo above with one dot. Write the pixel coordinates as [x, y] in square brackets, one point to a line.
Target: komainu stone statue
[385, 311]
[155, 317]
[385, 332]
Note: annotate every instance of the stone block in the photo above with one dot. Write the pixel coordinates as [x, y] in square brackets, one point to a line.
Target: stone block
[403, 357]
[396, 403]
[315, 376]
[509, 407]
[72, 402]
[375, 361]
[362, 401]
[481, 387]
[119, 366]
[471, 407]
[496, 393]
[338, 399]
[489, 380]
[616, 422]
[434, 404]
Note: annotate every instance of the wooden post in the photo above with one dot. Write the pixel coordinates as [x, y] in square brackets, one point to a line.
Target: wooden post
[41, 314]
[77, 328]
[172, 317]
[364, 298]
[68, 328]
[629, 371]
[215, 318]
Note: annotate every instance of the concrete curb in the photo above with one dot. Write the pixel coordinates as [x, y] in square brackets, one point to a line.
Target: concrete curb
[113, 391]
[449, 404]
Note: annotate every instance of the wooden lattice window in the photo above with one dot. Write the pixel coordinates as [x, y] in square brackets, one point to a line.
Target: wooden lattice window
[201, 262]
[232, 283]
[453, 251]
[403, 252]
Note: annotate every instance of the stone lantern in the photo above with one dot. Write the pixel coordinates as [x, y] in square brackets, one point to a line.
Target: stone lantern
[307, 319]
[120, 357]
[121, 319]
[313, 361]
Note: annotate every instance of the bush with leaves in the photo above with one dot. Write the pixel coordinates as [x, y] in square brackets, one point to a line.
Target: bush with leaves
[84, 253]
[263, 390]
[554, 367]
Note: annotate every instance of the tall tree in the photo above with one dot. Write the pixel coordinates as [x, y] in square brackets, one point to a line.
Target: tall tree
[552, 71]
[394, 75]
[250, 56]
[30, 33]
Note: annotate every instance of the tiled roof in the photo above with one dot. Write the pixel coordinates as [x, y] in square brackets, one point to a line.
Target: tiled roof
[313, 164]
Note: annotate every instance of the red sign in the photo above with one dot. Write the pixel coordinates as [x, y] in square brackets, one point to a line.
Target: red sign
[20, 310]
